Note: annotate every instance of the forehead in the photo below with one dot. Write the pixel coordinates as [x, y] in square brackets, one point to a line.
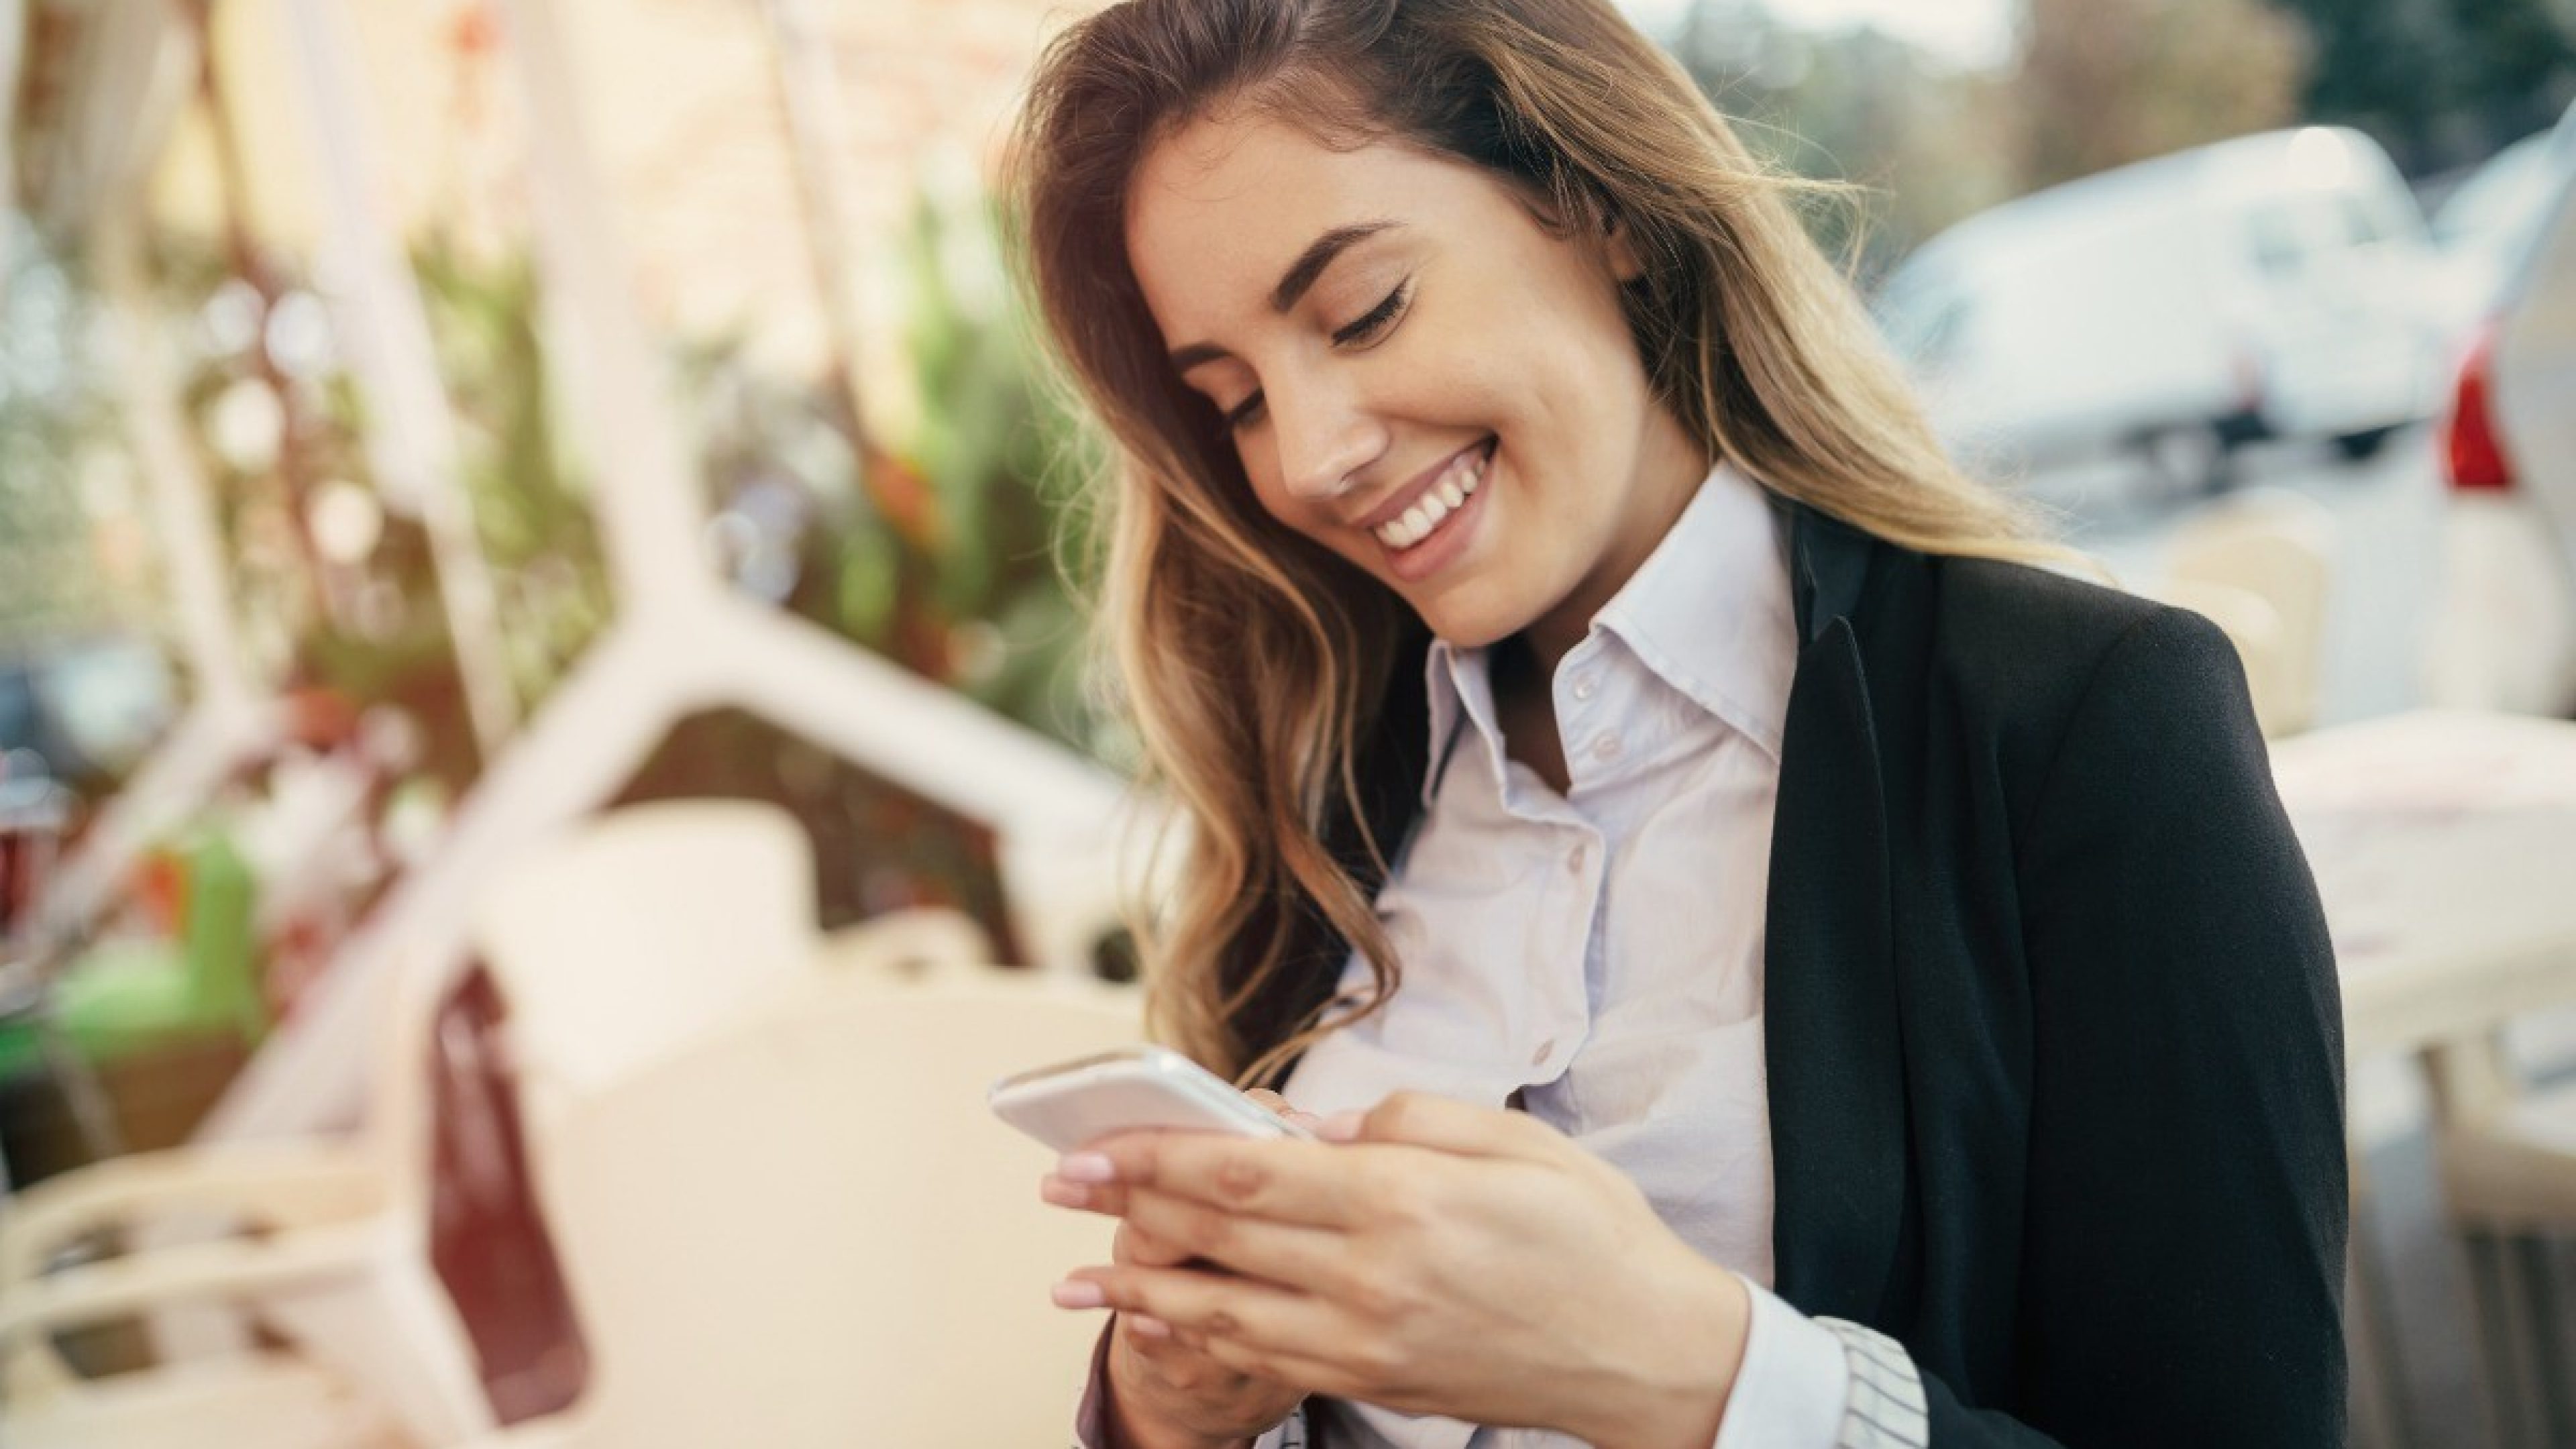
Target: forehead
[1220, 208]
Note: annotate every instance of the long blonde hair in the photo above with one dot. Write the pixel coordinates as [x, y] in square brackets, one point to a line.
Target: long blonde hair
[1253, 661]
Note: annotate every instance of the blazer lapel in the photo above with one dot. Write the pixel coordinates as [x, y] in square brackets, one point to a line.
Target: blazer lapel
[1836, 1083]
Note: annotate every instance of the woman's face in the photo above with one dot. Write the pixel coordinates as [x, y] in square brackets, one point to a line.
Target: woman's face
[1417, 374]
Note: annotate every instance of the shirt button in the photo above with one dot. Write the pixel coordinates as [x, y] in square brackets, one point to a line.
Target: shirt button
[1586, 687]
[1606, 748]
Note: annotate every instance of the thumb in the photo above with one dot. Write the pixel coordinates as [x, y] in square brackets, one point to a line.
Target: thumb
[1418, 1119]
[1279, 1105]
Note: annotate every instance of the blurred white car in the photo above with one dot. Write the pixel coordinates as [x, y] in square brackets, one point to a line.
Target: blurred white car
[2505, 637]
[2486, 222]
[2482, 226]
[2270, 286]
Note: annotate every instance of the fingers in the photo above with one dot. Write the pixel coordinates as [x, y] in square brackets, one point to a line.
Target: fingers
[1305, 1183]
[1106, 1198]
[1279, 1104]
[1418, 1119]
[1181, 1229]
[1212, 1308]
[1135, 1245]
[1152, 1338]
[1280, 1366]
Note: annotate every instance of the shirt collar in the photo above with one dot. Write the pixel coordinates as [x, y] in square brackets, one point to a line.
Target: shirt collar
[1709, 613]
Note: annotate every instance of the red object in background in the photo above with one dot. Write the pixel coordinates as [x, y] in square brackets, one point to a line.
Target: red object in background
[161, 891]
[2247, 371]
[2472, 454]
[319, 718]
[18, 850]
[487, 1237]
[474, 32]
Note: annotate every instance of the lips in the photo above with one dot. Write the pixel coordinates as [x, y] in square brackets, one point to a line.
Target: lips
[1413, 515]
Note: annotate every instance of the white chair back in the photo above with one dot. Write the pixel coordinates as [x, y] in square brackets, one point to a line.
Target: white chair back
[2279, 546]
[618, 939]
[805, 1229]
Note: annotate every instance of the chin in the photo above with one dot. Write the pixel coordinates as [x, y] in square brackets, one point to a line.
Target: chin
[1473, 624]
[1494, 597]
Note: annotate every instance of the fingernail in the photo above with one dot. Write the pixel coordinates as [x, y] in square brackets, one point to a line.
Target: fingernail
[1144, 1327]
[1341, 1127]
[1079, 1293]
[1087, 1167]
[1064, 1194]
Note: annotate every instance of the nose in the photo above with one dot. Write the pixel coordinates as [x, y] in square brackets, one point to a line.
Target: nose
[1325, 436]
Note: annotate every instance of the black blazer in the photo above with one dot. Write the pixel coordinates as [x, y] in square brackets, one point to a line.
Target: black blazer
[2054, 1039]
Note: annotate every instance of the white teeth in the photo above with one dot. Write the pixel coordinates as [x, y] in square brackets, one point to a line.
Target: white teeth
[1439, 501]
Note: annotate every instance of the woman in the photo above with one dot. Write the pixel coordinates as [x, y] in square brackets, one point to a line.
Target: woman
[1783, 970]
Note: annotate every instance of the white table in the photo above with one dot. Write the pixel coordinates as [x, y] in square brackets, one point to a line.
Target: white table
[2444, 846]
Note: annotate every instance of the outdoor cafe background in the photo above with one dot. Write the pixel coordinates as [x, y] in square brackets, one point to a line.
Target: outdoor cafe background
[431, 428]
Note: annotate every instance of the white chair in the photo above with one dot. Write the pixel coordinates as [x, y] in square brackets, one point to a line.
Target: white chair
[2508, 1169]
[911, 945]
[805, 1230]
[622, 935]
[326, 1243]
[630, 933]
[2280, 547]
[615, 944]
[2502, 633]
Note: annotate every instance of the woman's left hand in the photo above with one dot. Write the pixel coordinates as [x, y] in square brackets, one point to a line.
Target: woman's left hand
[1435, 1258]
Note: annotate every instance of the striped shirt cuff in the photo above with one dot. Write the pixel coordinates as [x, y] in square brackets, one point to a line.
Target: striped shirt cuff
[1791, 1391]
[1885, 1410]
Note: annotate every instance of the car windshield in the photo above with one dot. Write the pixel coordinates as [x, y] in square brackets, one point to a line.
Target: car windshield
[2292, 234]
[2499, 205]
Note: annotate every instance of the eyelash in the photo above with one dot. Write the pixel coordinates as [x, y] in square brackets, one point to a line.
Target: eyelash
[1367, 329]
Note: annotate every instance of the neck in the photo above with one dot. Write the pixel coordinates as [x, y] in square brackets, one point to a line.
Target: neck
[1523, 706]
[1530, 657]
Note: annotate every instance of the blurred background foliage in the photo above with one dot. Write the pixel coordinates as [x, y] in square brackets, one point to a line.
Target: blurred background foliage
[937, 532]
[958, 557]
[54, 405]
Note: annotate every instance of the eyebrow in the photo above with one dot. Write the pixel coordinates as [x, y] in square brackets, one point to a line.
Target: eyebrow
[1294, 283]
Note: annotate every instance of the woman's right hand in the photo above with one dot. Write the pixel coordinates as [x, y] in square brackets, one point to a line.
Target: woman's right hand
[1164, 1390]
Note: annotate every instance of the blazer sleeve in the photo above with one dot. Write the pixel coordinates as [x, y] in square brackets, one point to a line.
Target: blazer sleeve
[2182, 1272]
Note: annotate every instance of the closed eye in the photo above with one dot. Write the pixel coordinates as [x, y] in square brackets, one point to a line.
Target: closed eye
[1378, 318]
[1367, 329]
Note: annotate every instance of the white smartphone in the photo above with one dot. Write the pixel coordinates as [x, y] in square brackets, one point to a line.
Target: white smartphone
[1080, 1101]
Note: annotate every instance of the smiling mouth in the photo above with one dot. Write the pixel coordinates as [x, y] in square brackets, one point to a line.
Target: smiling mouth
[1446, 495]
